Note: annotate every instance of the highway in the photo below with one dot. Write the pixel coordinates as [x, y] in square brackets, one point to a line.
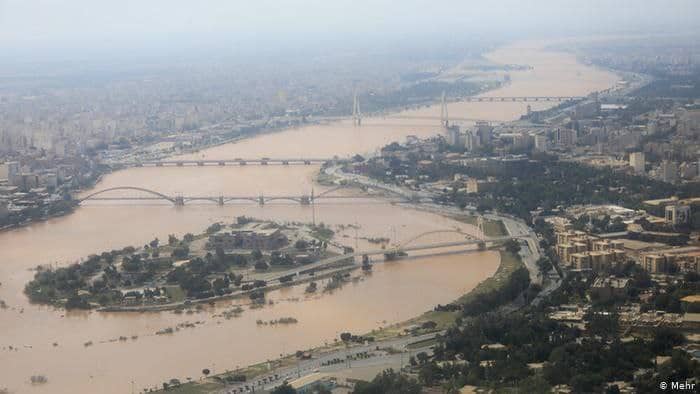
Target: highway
[516, 228]
[370, 354]
[326, 361]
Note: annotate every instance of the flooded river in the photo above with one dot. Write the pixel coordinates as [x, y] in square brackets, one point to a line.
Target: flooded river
[51, 342]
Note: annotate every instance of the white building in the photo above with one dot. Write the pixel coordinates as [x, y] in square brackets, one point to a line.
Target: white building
[10, 171]
[541, 142]
[677, 214]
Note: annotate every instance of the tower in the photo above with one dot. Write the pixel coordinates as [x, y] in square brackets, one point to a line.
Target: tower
[444, 121]
[356, 114]
[480, 224]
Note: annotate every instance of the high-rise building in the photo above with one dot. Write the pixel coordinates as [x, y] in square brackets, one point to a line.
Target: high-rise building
[522, 141]
[677, 214]
[566, 136]
[484, 131]
[472, 141]
[3, 209]
[453, 135]
[541, 142]
[10, 171]
[669, 171]
[637, 162]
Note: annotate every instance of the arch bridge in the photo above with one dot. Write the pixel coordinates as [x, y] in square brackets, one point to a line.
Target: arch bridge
[179, 200]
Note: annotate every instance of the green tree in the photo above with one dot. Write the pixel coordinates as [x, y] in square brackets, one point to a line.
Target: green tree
[388, 382]
[285, 388]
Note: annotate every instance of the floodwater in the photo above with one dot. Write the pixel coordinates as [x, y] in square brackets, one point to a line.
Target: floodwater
[51, 342]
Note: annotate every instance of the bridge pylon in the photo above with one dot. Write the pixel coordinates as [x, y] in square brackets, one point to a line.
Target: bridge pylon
[444, 120]
[220, 201]
[179, 201]
[261, 200]
[480, 224]
[356, 114]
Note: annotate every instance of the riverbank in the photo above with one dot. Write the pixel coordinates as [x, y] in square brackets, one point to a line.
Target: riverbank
[72, 205]
[221, 342]
[427, 324]
[206, 267]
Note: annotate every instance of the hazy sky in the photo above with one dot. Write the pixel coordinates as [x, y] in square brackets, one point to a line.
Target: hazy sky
[114, 24]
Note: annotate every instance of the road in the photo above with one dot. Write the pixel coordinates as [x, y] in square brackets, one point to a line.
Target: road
[368, 354]
[516, 227]
[365, 355]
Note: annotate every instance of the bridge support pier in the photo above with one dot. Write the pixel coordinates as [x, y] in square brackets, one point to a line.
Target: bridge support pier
[221, 200]
[261, 200]
[305, 200]
[179, 201]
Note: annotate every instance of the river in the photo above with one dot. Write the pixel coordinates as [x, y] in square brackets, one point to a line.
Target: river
[51, 342]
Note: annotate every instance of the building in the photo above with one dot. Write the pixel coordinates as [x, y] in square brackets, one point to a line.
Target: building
[566, 137]
[472, 141]
[249, 237]
[609, 287]
[10, 171]
[677, 214]
[638, 162]
[522, 141]
[691, 303]
[580, 251]
[313, 383]
[656, 263]
[474, 185]
[541, 142]
[668, 171]
[453, 135]
[596, 260]
[4, 211]
[484, 131]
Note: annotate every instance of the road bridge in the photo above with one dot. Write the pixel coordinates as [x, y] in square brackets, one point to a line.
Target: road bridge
[179, 200]
[522, 99]
[224, 162]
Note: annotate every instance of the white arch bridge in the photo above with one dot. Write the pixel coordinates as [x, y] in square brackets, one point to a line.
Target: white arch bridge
[179, 200]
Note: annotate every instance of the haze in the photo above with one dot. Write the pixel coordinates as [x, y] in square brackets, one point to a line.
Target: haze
[56, 28]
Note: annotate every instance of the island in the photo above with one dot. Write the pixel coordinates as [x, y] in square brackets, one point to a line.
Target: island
[226, 260]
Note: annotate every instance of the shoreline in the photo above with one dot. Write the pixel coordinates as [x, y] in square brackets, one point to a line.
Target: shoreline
[278, 130]
[380, 337]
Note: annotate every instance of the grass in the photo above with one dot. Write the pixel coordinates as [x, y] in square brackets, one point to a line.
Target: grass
[509, 263]
[422, 344]
[203, 387]
[175, 293]
[492, 228]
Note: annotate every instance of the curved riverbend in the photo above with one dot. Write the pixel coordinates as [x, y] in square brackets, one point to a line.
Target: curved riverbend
[52, 342]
